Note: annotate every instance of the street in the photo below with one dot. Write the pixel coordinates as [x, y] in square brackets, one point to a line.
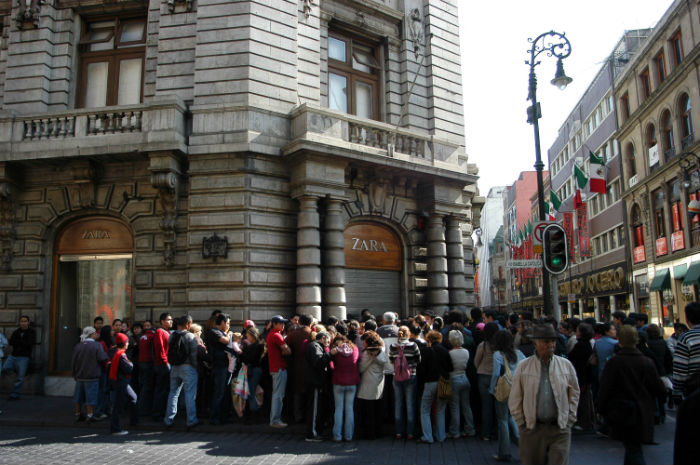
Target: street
[52, 445]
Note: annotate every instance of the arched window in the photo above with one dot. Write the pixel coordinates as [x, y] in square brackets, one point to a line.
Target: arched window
[667, 135]
[652, 147]
[686, 121]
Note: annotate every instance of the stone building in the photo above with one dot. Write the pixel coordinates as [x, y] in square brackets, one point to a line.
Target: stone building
[597, 280]
[490, 225]
[255, 157]
[656, 95]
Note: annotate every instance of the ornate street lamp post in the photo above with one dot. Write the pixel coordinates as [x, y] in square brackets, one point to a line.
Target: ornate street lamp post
[553, 44]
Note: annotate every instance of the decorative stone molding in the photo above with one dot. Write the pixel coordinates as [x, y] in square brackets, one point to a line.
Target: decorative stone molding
[416, 30]
[28, 13]
[308, 5]
[165, 176]
[84, 174]
[7, 224]
[186, 3]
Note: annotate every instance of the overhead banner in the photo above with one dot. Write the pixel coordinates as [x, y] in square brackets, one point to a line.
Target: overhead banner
[584, 235]
[569, 230]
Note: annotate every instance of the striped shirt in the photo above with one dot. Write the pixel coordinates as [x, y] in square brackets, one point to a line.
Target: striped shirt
[686, 358]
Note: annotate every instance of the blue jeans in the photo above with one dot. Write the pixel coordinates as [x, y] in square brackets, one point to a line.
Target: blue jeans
[254, 374]
[506, 428]
[19, 365]
[279, 385]
[405, 396]
[182, 375]
[429, 396]
[344, 397]
[220, 381]
[460, 403]
[86, 392]
[487, 401]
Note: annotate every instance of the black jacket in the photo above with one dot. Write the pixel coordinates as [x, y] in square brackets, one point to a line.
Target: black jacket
[316, 364]
[437, 362]
[252, 354]
[22, 342]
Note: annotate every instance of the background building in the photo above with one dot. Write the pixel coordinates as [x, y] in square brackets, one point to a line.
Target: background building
[597, 280]
[656, 94]
[254, 157]
[491, 224]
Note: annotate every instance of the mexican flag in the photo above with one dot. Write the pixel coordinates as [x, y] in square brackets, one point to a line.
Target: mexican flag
[597, 173]
[581, 178]
[554, 205]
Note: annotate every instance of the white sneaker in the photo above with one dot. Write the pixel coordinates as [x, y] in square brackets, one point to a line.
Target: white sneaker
[278, 425]
[120, 433]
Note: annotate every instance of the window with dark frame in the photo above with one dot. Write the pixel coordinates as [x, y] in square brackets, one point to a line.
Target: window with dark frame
[667, 133]
[660, 67]
[637, 226]
[677, 47]
[625, 106]
[112, 51]
[646, 83]
[659, 222]
[353, 76]
[686, 120]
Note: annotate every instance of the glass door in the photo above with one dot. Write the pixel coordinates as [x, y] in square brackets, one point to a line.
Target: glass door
[88, 286]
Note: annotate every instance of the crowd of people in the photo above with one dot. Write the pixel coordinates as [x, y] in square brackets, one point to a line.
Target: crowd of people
[504, 377]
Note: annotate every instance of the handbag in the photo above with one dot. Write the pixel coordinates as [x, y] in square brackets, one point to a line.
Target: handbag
[504, 383]
[444, 388]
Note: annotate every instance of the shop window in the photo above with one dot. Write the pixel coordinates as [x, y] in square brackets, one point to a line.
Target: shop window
[659, 223]
[645, 83]
[111, 62]
[353, 77]
[660, 63]
[677, 47]
[686, 121]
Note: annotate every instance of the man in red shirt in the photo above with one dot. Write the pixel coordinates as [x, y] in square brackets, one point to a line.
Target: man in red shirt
[161, 367]
[277, 348]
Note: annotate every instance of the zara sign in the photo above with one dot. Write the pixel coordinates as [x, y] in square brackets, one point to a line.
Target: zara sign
[372, 246]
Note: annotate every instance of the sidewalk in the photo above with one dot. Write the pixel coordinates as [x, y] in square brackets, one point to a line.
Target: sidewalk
[57, 412]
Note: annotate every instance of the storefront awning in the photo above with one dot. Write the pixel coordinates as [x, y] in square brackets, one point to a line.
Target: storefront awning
[692, 276]
[661, 281]
[679, 271]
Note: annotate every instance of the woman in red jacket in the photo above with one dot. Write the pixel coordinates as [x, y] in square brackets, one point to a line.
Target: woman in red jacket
[346, 377]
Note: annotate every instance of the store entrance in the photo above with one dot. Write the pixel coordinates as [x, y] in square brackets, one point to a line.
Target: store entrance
[92, 277]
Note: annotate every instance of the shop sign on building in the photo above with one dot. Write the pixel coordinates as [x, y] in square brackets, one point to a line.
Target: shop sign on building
[661, 247]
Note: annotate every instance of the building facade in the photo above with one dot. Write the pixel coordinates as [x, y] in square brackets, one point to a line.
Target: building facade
[657, 95]
[255, 157]
[597, 280]
[490, 225]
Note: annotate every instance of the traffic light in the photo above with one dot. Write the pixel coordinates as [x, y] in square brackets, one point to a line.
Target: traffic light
[554, 249]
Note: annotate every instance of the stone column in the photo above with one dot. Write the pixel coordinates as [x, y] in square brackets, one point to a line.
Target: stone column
[455, 264]
[438, 295]
[580, 307]
[613, 305]
[596, 308]
[308, 258]
[334, 262]
[570, 309]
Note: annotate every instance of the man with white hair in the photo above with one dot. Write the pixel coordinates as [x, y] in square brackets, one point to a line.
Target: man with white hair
[389, 333]
[88, 358]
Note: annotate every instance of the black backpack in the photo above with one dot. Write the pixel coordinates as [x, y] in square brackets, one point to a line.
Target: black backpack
[178, 350]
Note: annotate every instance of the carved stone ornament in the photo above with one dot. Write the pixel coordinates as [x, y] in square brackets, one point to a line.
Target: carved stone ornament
[167, 183]
[7, 225]
[415, 28]
[28, 12]
[186, 3]
[308, 4]
[377, 195]
[215, 247]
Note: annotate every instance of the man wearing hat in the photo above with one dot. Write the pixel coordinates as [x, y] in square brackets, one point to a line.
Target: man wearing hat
[277, 349]
[88, 358]
[543, 401]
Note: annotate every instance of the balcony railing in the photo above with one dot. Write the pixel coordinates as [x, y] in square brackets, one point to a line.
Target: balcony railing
[330, 129]
[143, 127]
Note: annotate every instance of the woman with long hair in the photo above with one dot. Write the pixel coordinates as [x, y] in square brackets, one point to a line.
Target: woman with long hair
[580, 358]
[437, 363]
[503, 354]
[405, 389]
[483, 360]
[252, 356]
[372, 362]
[346, 377]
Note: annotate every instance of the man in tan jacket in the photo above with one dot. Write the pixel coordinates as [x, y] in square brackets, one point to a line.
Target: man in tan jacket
[543, 402]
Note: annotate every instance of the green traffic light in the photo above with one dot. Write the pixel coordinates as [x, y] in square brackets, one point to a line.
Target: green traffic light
[557, 261]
